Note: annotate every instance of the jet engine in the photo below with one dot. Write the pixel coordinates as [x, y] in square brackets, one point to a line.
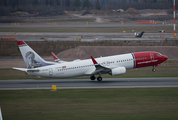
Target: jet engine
[118, 71]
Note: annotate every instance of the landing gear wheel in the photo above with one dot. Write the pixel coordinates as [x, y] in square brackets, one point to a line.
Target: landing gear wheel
[99, 79]
[154, 70]
[92, 77]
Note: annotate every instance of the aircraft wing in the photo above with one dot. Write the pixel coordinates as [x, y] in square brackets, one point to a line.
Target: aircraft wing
[99, 68]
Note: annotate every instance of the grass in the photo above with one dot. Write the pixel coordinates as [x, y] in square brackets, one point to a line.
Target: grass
[147, 29]
[96, 104]
[162, 71]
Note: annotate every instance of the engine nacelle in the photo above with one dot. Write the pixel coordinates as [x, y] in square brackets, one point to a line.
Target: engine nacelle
[118, 71]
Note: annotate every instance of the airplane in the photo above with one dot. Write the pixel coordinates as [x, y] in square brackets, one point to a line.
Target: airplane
[113, 65]
[139, 34]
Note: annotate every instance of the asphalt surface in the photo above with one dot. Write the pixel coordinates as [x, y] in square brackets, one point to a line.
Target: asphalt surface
[86, 83]
[30, 36]
[83, 25]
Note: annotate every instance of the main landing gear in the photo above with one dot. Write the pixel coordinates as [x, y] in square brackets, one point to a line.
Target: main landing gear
[154, 70]
[92, 77]
[98, 78]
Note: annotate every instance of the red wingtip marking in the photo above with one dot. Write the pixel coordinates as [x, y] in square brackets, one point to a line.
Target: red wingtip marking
[94, 61]
[21, 43]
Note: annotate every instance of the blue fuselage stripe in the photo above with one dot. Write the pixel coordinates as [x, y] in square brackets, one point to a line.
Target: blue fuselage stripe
[133, 60]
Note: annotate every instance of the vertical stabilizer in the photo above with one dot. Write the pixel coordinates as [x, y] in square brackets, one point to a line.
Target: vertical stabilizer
[31, 58]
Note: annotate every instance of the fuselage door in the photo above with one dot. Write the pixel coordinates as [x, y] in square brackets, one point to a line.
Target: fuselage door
[50, 72]
[152, 57]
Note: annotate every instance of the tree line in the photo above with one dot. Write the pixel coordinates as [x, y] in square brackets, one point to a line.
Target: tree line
[31, 6]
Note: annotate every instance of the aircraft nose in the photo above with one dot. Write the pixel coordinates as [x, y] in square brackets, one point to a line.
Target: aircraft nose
[165, 57]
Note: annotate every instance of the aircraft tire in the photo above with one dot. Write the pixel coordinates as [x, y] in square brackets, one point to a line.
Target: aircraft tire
[99, 79]
[154, 70]
[92, 77]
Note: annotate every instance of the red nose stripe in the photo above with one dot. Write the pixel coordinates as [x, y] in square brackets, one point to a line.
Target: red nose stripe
[20, 42]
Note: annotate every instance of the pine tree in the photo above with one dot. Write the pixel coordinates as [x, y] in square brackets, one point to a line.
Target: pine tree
[86, 4]
[97, 5]
[77, 3]
[67, 3]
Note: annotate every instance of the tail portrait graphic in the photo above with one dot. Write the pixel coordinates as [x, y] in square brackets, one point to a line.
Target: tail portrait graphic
[30, 60]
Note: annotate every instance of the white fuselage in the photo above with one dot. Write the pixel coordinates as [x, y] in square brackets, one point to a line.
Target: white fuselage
[83, 67]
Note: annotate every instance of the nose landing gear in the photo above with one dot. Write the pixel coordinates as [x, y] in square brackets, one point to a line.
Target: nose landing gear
[154, 70]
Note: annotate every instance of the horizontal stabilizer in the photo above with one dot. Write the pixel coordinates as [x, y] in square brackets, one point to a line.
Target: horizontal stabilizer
[26, 70]
[21, 69]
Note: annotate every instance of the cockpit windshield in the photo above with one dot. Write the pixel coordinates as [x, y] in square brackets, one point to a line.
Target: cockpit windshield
[159, 54]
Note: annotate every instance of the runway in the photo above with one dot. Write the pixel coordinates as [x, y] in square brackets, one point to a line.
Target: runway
[81, 25]
[40, 36]
[86, 83]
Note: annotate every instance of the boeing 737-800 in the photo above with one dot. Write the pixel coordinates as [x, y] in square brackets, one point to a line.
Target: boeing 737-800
[113, 65]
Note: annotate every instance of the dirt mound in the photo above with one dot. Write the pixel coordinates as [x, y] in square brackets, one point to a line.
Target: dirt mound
[83, 52]
[132, 11]
[102, 12]
[86, 12]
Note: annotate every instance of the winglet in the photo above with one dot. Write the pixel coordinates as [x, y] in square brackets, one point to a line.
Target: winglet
[94, 61]
[55, 57]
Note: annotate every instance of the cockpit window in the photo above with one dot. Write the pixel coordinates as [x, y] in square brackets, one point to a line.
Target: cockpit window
[159, 54]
